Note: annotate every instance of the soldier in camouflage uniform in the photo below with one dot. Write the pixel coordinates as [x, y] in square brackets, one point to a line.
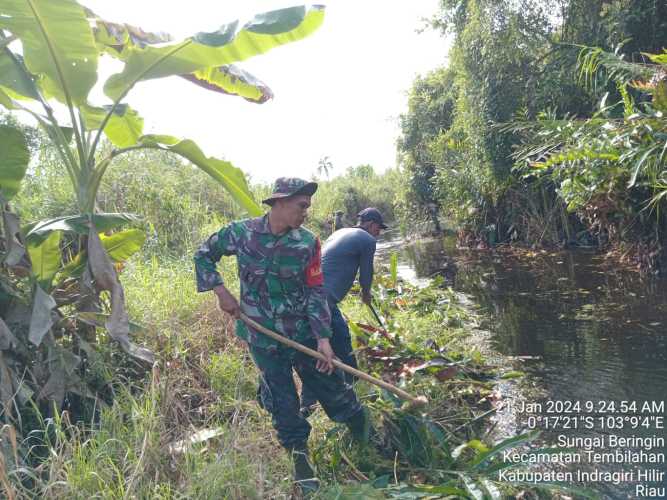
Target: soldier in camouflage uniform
[281, 288]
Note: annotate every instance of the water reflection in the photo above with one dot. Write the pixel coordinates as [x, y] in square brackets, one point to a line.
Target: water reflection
[598, 333]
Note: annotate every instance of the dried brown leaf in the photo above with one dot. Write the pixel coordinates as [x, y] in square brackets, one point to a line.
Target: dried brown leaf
[6, 387]
[7, 339]
[55, 387]
[104, 274]
[447, 373]
[15, 249]
[40, 319]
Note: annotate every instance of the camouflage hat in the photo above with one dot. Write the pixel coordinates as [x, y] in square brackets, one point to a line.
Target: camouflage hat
[290, 186]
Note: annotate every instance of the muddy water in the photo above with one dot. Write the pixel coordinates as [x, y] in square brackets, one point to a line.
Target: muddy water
[586, 332]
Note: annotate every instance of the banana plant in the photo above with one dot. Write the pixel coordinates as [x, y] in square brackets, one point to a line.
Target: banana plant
[49, 62]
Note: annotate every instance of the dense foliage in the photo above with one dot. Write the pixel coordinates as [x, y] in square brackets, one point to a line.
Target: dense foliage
[523, 62]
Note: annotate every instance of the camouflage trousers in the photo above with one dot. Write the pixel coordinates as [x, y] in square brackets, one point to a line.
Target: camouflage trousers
[278, 395]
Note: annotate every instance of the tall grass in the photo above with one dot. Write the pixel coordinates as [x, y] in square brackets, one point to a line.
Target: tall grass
[131, 454]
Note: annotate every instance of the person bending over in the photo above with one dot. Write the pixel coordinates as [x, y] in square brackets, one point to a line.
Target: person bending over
[346, 252]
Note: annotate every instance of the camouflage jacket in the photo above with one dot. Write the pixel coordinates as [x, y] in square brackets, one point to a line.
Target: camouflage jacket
[280, 276]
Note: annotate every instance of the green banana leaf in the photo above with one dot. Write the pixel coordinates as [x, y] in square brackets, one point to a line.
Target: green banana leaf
[230, 43]
[222, 171]
[120, 246]
[15, 80]
[14, 159]
[6, 101]
[36, 233]
[231, 80]
[58, 45]
[123, 129]
[67, 132]
[45, 258]
[114, 39]
[124, 244]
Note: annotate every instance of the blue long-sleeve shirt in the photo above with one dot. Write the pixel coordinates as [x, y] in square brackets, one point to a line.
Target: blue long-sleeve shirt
[344, 253]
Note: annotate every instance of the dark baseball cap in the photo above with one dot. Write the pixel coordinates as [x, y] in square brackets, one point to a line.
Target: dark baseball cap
[371, 214]
[285, 187]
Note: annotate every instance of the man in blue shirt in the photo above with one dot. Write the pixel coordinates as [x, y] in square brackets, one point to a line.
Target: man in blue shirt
[345, 252]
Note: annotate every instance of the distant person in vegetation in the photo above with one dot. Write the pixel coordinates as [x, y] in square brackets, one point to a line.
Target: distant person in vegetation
[338, 221]
[433, 214]
[345, 252]
[279, 268]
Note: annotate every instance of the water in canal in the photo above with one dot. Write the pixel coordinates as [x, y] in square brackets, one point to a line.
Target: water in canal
[587, 332]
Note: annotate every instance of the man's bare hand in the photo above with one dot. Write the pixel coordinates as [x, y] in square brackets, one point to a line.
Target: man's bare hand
[227, 301]
[324, 347]
[366, 297]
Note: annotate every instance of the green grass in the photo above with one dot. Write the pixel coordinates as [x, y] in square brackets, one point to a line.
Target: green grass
[205, 381]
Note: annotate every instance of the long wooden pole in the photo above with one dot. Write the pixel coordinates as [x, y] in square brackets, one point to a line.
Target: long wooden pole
[420, 400]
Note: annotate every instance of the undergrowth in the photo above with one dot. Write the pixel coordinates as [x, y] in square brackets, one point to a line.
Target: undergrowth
[191, 428]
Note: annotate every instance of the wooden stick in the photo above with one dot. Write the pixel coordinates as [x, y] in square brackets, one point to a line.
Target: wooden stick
[338, 364]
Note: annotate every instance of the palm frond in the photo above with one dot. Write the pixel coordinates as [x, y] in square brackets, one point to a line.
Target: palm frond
[592, 60]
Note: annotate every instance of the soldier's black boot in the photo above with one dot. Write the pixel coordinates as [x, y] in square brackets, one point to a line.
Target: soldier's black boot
[304, 475]
[360, 426]
[308, 402]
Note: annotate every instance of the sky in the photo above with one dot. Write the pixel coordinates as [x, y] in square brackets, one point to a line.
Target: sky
[338, 92]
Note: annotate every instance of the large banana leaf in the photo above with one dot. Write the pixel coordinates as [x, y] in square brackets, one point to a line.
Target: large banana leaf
[76, 224]
[124, 127]
[45, 258]
[222, 171]
[14, 159]
[230, 43]
[58, 45]
[115, 39]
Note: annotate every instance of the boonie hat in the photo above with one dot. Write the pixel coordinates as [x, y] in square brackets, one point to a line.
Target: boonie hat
[285, 187]
[371, 214]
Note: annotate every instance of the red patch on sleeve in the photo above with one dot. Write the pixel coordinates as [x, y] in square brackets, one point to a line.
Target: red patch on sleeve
[314, 276]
